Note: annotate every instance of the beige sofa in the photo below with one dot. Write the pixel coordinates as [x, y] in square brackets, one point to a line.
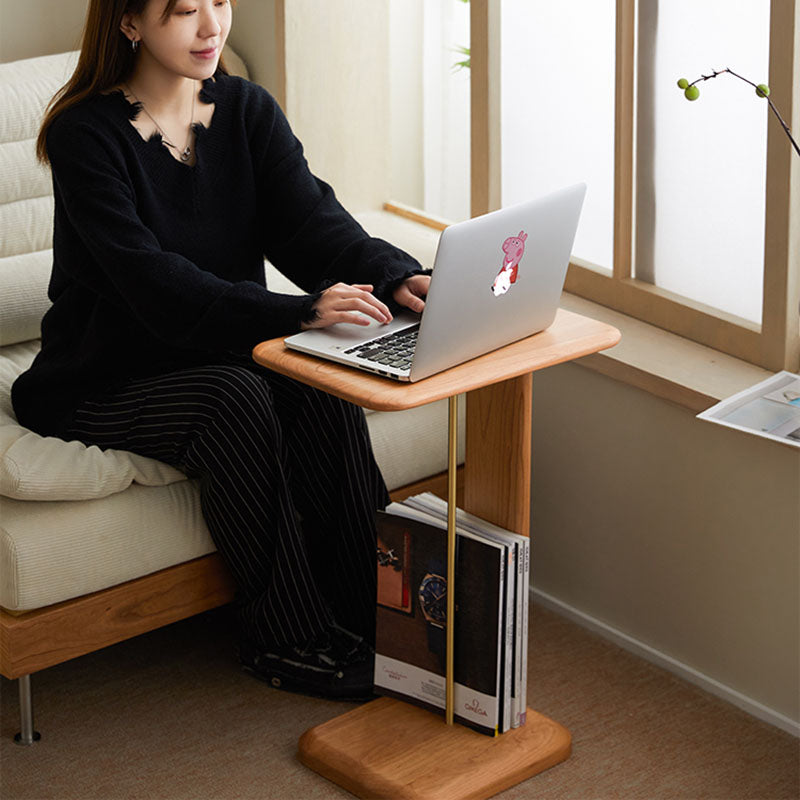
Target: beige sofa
[96, 547]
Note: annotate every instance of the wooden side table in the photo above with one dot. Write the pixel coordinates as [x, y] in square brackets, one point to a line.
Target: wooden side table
[391, 749]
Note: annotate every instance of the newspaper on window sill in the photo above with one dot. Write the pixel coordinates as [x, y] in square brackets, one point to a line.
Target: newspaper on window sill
[770, 409]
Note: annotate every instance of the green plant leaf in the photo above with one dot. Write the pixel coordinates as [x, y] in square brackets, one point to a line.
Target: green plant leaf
[464, 51]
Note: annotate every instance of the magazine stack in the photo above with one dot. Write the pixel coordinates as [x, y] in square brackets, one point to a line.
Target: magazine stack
[491, 614]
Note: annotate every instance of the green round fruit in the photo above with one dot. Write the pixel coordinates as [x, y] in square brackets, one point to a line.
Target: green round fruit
[683, 83]
[691, 93]
[762, 90]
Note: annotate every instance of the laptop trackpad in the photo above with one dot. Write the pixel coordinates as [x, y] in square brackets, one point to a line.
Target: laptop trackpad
[342, 336]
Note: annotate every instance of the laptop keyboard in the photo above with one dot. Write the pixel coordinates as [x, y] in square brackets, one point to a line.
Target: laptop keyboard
[393, 350]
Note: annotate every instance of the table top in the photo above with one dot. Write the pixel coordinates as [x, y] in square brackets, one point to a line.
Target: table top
[570, 336]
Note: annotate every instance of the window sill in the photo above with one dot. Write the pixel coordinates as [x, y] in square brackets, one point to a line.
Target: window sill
[664, 364]
[649, 358]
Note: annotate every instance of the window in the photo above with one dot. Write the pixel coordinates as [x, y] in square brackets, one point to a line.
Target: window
[700, 189]
[430, 90]
[698, 230]
[557, 110]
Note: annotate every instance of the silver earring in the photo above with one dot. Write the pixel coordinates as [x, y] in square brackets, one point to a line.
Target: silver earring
[134, 45]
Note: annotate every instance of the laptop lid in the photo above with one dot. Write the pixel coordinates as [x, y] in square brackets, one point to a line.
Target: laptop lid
[497, 278]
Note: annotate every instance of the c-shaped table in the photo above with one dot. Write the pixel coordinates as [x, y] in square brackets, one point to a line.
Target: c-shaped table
[391, 749]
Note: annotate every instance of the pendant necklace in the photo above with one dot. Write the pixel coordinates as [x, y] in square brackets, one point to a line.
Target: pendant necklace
[186, 153]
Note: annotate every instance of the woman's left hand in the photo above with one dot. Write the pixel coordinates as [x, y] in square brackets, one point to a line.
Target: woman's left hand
[412, 291]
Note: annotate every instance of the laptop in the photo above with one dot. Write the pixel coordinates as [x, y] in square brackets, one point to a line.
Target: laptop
[497, 278]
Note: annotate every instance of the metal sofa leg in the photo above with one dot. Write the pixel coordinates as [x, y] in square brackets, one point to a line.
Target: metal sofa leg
[27, 734]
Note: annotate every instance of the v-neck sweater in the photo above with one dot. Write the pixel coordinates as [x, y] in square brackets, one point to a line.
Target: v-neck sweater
[159, 265]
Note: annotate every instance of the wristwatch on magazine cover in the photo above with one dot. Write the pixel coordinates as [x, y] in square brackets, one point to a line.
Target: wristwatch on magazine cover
[433, 602]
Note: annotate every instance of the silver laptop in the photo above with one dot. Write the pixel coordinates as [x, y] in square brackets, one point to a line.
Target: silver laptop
[497, 278]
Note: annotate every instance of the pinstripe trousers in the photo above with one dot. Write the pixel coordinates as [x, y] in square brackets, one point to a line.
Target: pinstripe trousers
[288, 487]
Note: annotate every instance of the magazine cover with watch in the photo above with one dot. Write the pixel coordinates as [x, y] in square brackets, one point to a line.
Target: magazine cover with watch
[410, 645]
[519, 566]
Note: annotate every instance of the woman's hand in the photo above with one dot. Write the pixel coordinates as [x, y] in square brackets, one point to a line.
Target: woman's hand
[340, 302]
[412, 291]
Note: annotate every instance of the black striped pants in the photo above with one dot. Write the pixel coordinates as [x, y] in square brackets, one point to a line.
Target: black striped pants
[288, 487]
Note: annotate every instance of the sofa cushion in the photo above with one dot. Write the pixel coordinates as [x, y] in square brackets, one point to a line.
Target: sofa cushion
[34, 467]
[26, 201]
[23, 287]
[51, 552]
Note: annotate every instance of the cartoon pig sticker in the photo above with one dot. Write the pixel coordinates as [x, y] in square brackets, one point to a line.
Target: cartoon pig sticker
[514, 249]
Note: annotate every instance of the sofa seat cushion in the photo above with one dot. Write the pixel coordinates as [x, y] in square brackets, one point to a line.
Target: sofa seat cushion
[51, 552]
[34, 467]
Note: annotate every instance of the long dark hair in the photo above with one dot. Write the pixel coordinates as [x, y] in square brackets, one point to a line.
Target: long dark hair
[106, 60]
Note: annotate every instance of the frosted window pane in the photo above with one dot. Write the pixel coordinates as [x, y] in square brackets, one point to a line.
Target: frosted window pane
[430, 122]
[700, 198]
[558, 110]
[430, 99]
[446, 121]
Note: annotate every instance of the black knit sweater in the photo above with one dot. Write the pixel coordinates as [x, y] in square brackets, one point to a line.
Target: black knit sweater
[158, 265]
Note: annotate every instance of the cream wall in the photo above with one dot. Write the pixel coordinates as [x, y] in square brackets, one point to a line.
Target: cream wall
[337, 93]
[681, 534]
[312, 57]
[255, 36]
[39, 27]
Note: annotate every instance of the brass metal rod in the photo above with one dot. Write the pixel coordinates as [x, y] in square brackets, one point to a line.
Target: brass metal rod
[452, 463]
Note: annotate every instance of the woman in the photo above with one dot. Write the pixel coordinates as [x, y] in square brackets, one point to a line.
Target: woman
[172, 181]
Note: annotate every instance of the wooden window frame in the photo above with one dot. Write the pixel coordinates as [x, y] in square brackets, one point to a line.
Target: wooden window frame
[775, 344]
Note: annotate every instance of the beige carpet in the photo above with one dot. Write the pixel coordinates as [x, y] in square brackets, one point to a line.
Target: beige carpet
[169, 715]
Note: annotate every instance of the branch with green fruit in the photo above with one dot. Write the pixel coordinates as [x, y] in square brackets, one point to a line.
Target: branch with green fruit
[691, 92]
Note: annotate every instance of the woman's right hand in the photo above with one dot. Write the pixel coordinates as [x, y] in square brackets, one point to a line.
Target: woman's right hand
[340, 302]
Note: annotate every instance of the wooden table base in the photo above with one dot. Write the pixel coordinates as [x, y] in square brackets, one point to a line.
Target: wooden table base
[393, 750]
